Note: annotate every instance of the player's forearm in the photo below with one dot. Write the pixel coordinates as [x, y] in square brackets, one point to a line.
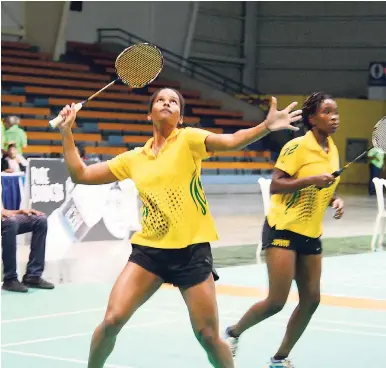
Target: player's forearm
[74, 163]
[289, 185]
[244, 137]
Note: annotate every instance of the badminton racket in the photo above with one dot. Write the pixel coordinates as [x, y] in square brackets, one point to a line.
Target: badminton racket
[136, 66]
[378, 140]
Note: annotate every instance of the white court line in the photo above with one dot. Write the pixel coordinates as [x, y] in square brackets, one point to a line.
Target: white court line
[222, 313]
[62, 337]
[53, 315]
[73, 313]
[76, 361]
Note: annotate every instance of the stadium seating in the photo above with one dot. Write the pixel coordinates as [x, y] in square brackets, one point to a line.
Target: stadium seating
[35, 88]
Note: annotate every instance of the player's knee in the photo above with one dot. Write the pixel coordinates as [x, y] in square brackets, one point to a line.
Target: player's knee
[113, 323]
[208, 337]
[275, 306]
[310, 302]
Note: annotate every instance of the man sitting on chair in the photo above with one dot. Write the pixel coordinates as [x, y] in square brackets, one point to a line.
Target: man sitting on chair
[13, 223]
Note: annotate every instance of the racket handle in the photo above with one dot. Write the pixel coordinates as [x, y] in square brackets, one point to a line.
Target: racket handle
[335, 174]
[56, 121]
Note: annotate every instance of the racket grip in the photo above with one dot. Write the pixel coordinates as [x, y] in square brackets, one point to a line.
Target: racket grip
[56, 121]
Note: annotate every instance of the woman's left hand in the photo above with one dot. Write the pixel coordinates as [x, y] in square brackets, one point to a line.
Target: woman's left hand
[338, 205]
[279, 120]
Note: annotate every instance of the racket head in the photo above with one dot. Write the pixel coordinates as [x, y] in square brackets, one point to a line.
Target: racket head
[379, 134]
[139, 64]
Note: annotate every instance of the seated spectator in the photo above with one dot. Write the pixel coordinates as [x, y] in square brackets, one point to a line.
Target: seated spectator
[13, 162]
[12, 133]
[18, 222]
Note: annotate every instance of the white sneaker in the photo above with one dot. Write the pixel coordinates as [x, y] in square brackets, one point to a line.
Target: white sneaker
[232, 342]
[285, 363]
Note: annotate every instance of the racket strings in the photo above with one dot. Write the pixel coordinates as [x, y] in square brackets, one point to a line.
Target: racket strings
[379, 135]
[139, 65]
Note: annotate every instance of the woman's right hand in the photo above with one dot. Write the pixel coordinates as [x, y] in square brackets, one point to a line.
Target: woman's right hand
[322, 181]
[68, 114]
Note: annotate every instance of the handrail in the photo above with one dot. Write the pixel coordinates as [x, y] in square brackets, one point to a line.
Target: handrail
[194, 69]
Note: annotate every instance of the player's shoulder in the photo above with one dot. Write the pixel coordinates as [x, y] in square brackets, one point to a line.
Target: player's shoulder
[295, 143]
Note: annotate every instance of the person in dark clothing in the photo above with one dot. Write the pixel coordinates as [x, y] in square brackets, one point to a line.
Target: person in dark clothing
[13, 223]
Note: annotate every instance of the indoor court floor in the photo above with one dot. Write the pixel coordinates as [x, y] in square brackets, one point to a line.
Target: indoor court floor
[52, 329]
[46, 329]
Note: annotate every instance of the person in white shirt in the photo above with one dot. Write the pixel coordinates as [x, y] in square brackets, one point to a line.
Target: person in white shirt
[13, 162]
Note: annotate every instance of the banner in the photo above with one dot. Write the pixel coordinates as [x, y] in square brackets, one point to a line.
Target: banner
[80, 213]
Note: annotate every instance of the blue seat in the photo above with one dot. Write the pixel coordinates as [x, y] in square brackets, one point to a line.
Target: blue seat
[90, 128]
[39, 142]
[18, 90]
[41, 102]
[115, 140]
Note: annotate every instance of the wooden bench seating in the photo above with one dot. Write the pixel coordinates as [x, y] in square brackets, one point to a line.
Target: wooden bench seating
[15, 45]
[22, 110]
[25, 80]
[185, 93]
[101, 104]
[57, 136]
[42, 149]
[106, 95]
[37, 123]
[11, 69]
[25, 54]
[217, 112]
[126, 127]
[125, 116]
[235, 122]
[13, 99]
[74, 93]
[44, 64]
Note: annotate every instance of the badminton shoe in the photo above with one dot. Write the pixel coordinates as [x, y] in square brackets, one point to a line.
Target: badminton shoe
[284, 363]
[232, 341]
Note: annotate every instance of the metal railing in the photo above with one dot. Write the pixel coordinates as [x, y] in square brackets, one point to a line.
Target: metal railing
[191, 68]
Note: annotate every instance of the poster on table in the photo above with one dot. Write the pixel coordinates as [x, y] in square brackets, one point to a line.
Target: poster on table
[80, 213]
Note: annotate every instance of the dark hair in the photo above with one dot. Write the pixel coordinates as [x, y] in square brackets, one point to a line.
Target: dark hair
[180, 98]
[12, 145]
[311, 106]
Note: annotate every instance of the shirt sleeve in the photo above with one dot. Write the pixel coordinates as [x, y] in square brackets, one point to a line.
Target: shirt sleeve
[120, 165]
[289, 160]
[196, 139]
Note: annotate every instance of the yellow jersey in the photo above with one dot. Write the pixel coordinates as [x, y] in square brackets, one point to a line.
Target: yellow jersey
[303, 211]
[175, 212]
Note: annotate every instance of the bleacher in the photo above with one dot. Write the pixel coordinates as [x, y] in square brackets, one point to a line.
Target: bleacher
[35, 88]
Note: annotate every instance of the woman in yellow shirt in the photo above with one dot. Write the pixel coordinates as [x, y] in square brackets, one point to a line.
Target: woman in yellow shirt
[173, 245]
[302, 188]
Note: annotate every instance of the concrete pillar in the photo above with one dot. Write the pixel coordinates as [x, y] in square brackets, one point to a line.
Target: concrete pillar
[250, 41]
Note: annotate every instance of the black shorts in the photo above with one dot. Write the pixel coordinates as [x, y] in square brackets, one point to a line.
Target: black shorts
[183, 267]
[286, 239]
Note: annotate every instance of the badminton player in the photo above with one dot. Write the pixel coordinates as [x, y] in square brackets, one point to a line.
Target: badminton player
[292, 230]
[173, 245]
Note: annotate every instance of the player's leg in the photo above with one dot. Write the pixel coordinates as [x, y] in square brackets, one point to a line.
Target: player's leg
[202, 305]
[308, 275]
[281, 270]
[281, 258]
[133, 287]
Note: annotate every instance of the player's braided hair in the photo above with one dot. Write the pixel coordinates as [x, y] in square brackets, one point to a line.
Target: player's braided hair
[181, 100]
[311, 106]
